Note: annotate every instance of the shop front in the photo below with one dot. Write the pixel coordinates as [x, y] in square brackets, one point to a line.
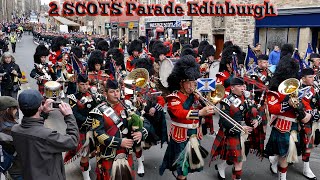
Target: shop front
[174, 29]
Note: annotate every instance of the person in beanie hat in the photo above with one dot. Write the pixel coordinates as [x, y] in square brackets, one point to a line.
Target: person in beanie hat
[307, 131]
[292, 112]
[35, 143]
[8, 110]
[115, 139]
[134, 50]
[228, 142]
[185, 111]
[43, 71]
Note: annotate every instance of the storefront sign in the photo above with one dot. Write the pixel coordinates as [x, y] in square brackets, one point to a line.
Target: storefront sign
[123, 24]
[130, 25]
[114, 25]
[172, 24]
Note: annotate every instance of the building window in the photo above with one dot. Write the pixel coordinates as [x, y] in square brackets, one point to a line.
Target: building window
[204, 37]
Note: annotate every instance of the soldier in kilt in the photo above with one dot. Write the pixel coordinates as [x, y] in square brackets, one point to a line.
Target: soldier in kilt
[229, 142]
[43, 71]
[114, 138]
[286, 113]
[184, 153]
[262, 75]
[82, 103]
[307, 133]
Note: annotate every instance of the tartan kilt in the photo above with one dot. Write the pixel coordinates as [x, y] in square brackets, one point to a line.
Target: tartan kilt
[278, 143]
[307, 142]
[104, 173]
[173, 152]
[227, 147]
[256, 140]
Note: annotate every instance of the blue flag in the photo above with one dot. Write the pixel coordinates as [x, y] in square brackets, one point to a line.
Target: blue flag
[251, 59]
[308, 52]
[206, 84]
[235, 63]
[302, 64]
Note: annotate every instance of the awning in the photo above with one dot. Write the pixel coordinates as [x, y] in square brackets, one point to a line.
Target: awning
[65, 21]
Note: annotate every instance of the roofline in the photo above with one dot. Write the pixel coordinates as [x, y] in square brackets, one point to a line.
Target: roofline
[299, 10]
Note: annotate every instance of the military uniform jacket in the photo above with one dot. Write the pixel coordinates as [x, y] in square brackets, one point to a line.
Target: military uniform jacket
[237, 109]
[108, 135]
[224, 78]
[184, 113]
[36, 73]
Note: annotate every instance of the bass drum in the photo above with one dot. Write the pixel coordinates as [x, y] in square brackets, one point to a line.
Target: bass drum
[165, 70]
[214, 69]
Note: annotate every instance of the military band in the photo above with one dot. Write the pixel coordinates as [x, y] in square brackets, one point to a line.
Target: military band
[123, 105]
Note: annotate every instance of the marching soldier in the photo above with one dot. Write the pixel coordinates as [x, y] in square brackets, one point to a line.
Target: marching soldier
[287, 111]
[184, 153]
[208, 55]
[96, 76]
[230, 139]
[111, 128]
[226, 69]
[308, 129]
[263, 75]
[115, 67]
[134, 50]
[43, 71]
[81, 103]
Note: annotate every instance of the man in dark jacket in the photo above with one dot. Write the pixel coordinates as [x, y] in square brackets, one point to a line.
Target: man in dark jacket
[41, 148]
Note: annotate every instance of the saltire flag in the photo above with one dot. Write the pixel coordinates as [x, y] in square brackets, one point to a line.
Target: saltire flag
[308, 52]
[206, 84]
[251, 59]
[304, 92]
[302, 64]
[77, 65]
[235, 63]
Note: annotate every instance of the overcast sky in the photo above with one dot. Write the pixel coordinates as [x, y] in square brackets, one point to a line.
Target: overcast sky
[45, 1]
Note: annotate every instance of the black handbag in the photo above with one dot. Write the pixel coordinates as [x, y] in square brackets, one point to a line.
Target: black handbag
[6, 160]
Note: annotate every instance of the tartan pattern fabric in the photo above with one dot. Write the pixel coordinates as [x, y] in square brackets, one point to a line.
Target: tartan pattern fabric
[307, 142]
[256, 138]
[41, 89]
[227, 147]
[104, 173]
[278, 143]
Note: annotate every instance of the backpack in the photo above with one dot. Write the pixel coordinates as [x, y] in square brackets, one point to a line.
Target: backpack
[6, 160]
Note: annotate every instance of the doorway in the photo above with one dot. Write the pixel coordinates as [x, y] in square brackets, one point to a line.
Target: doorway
[218, 42]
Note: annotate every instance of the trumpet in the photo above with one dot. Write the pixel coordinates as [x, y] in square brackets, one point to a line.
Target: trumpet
[290, 87]
[215, 97]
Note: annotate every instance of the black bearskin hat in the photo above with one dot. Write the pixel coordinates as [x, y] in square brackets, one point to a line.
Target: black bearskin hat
[117, 55]
[186, 68]
[103, 45]
[176, 47]
[227, 44]
[185, 46]
[152, 43]
[195, 43]
[114, 43]
[82, 78]
[209, 50]
[77, 51]
[57, 42]
[286, 49]
[287, 68]
[158, 49]
[112, 84]
[201, 46]
[227, 56]
[135, 45]
[188, 51]
[143, 39]
[145, 63]
[96, 57]
[41, 50]
[97, 40]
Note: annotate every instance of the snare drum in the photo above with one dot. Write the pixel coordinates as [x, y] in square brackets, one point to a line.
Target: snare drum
[165, 70]
[52, 89]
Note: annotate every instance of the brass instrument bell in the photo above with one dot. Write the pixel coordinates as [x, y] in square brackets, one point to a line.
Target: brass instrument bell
[138, 77]
[217, 95]
[289, 86]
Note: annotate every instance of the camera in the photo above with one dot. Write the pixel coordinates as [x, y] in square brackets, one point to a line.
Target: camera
[55, 104]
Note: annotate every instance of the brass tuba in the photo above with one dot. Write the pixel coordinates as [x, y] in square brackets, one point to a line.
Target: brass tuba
[138, 77]
[290, 87]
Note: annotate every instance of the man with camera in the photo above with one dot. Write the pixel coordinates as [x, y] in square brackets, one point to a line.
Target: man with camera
[39, 147]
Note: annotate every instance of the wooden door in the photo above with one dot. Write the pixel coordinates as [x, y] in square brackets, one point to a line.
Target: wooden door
[219, 41]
